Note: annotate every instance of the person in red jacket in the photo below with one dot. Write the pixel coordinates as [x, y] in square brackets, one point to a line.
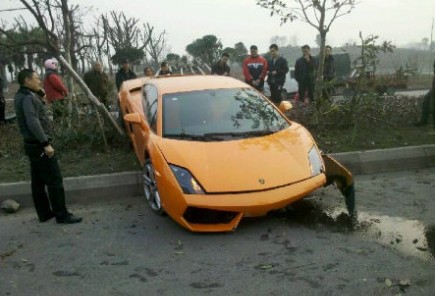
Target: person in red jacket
[255, 69]
[54, 88]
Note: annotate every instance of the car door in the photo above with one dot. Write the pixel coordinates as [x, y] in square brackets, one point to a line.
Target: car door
[141, 134]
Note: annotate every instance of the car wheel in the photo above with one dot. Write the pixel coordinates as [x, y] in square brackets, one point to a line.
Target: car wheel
[150, 189]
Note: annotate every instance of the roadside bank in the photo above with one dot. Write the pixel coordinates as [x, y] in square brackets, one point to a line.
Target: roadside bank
[88, 189]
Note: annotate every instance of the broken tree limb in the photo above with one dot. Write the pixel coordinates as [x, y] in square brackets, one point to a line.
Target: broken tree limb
[90, 95]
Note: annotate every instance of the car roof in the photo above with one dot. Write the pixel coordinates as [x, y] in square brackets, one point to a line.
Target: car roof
[176, 83]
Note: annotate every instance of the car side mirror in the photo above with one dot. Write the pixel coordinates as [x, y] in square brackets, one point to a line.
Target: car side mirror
[136, 118]
[133, 118]
[285, 106]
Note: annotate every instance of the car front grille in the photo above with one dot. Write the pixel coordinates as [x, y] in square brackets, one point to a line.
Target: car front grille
[196, 215]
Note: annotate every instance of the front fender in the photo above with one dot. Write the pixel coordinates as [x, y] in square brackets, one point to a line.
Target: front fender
[337, 174]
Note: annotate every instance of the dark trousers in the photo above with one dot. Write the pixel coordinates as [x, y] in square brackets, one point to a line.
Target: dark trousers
[275, 93]
[45, 172]
[258, 87]
[306, 86]
[328, 89]
[2, 109]
[103, 99]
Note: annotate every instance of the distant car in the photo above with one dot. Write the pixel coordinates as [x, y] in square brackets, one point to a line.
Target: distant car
[215, 150]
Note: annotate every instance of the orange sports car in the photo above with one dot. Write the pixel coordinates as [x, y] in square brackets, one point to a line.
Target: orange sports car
[215, 150]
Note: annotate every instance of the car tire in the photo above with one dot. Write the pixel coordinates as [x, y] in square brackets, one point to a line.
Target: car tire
[150, 189]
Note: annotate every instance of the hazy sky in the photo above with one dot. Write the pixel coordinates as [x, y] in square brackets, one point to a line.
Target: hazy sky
[232, 21]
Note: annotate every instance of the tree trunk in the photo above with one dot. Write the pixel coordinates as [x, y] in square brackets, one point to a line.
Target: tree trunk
[91, 97]
[320, 67]
[68, 46]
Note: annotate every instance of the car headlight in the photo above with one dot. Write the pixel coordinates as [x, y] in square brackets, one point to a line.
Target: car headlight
[186, 181]
[316, 162]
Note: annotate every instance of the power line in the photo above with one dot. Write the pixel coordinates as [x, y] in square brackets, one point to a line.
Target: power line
[13, 9]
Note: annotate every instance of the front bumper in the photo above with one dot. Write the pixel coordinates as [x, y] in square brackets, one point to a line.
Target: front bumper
[233, 207]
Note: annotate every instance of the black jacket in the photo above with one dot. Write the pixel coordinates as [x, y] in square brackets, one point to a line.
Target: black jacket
[305, 70]
[122, 76]
[280, 65]
[34, 124]
[98, 83]
[218, 69]
[329, 70]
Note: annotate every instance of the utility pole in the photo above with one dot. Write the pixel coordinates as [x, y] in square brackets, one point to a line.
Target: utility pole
[431, 38]
[431, 48]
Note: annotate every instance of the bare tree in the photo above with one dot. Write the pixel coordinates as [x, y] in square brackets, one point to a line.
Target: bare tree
[96, 41]
[155, 46]
[44, 12]
[122, 31]
[320, 14]
[123, 36]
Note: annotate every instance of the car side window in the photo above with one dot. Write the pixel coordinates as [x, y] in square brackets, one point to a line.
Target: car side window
[150, 106]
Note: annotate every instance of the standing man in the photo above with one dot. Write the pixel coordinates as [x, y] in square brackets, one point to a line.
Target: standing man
[255, 69]
[164, 69]
[305, 73]
[124, 73]
[148, 71]
[36, 129]
[221, 67]
[2, 103]
[277, 70]
[98, 82]
[328, 73]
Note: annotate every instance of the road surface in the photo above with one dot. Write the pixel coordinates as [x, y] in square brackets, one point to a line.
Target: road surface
[311, 248]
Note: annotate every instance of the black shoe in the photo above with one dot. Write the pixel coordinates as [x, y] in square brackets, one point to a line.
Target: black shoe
[420, 123]
[68, 219]
[45, 218]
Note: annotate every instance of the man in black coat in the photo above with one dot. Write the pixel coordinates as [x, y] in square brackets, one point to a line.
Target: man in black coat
[37, 132]
[277, 70]
[328, 73]
[305, 73]
[124, 73]
[98, 82]
[221, 67]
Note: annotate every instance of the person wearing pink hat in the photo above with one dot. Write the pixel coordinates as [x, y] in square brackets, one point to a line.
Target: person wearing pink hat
[54, 88]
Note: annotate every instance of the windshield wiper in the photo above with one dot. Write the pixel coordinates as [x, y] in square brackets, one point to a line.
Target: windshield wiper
[194, 137]
[246, 134]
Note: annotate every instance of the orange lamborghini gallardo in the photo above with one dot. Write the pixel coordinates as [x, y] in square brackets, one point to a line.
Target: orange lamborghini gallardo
[215, 150]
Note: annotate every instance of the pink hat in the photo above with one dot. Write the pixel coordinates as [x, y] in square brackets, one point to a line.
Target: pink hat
[51, 64]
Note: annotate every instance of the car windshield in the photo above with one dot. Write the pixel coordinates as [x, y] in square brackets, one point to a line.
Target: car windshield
[219, 115]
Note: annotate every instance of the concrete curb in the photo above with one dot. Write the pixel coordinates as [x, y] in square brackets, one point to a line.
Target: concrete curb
[84, 189]
[388, 160]
[87, 189]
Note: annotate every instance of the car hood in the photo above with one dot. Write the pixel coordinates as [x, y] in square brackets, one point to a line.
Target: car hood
[244, 165]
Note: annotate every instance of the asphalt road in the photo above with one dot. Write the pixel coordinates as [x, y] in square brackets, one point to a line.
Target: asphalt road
[311, 248]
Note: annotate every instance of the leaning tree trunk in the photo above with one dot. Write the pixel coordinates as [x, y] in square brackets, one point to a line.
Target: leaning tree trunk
[91, 97]
[67, 44]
